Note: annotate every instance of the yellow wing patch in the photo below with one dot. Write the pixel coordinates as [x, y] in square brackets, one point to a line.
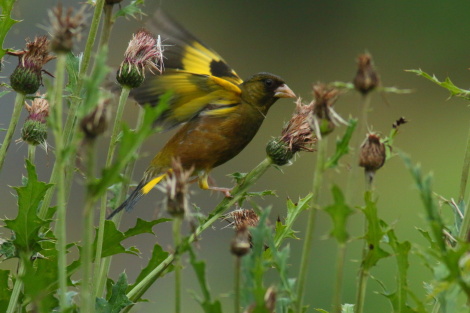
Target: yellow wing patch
[149, 186]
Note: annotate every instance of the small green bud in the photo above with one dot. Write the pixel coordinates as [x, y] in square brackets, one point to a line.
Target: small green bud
[34, 132]
[278, 151]
[129, 76]
[25, 80]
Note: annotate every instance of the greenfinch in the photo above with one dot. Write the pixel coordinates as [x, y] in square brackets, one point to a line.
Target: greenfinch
[220, 112]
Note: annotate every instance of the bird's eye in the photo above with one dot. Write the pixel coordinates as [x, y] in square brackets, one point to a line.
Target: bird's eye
[268, 82]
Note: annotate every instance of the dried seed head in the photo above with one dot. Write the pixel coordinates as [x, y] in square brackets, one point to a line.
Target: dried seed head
[297, 135]
[175, 187]
[241, 243]
[96, 122]
[241, 220]
[65, 27]
[372, 155]
[26, 78]
[325, 118]
[143, 53]
[366, 78]
[34, 130]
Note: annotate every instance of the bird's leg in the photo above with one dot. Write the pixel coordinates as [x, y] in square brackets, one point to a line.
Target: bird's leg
[204, 184]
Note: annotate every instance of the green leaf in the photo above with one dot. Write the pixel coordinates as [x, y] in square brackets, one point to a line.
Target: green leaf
[117, 300]
[339, 212]
[6, 22]
[447, 84]
[158, 256]
[27, 224]
[374, 234]
[131, 9]
[284, 230]
[347, 308]
[206, 302]
[342, 145]
[113, 237]
[5, 290]
[8, 249]
[4, 92]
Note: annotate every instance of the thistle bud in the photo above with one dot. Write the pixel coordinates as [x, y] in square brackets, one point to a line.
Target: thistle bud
[143, 53]
[34, 130]
[64, 28]
[96, 122]
[366, 78]
[241, 242]
[241, 220]
[26, 78]
[325, 118]
[297, 135]
[175, 187]
[372, 155]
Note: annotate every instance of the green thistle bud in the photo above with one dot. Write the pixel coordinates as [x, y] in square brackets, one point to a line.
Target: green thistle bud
[34, 130]
[278, 151]
[26, 78]
[144, 52]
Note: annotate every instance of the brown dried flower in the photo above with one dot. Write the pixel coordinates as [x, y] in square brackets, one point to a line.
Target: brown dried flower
[26, 78]
[241, 220]
[175, 187]
[96, 122]
[372, 155]
[64, 28]
[241, 243]
[325, 119]
[366, 78]
[144, 52]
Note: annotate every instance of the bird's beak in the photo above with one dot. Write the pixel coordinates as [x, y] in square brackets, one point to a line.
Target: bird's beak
[284, 92]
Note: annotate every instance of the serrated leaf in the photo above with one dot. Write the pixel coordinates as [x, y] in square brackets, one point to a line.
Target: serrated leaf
[113, 237]
[131, 9]
[339, 212]
[284, 230]
[206, 302]
[447, 84]
[6, 22]
[342, 145]
[27, 224]
[118, 298]
[239, 177]
[374, 234]
[158, 256]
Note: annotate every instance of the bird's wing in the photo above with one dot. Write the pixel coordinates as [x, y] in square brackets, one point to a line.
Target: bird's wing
[184, 51]
[192, 94]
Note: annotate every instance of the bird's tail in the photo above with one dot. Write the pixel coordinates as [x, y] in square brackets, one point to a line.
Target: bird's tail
[142, 189]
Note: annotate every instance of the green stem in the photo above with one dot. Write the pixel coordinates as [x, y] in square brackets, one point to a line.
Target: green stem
[307, 247]
[87, 295]
[340, 256]
[69, 130]
[465, 171]
[361, 291]
[31, 153]
[17, 287]
[56, 110]
[135, 293]
[19, 102]
[107, 24]
[100, 279]
[237, 284]
[177, 221]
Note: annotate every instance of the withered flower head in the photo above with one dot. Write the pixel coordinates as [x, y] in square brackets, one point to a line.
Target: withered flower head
[34, 130]
[325, 119]
[143, 53]
[64, 27]
[241, 220]
[372, 155]
[297, 135]
[175, 187]
[366, 78]
[96, 122]
[26, 78]
[241, 243]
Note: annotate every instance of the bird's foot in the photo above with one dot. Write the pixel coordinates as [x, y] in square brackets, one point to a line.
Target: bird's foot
[226, 191]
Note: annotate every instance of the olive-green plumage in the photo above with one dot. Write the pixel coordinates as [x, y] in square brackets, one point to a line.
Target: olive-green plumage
[221, 113]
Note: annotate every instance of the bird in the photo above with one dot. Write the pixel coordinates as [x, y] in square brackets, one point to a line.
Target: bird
[219, 112]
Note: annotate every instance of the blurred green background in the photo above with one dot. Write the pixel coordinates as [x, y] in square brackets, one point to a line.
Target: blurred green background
[304, 42]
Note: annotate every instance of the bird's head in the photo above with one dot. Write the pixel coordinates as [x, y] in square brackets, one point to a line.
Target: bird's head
[263, 89]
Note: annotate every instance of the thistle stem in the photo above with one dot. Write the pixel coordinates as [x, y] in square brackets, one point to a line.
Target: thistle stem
[86, 294]
[107, 24]
[340, 256]
[465, 171]
[177, 222]
[237, 284]
[17, 287]
[307, 247]
[19, 102]
[31, 153]
[56, 110]
[101, 278]
[135, 293]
